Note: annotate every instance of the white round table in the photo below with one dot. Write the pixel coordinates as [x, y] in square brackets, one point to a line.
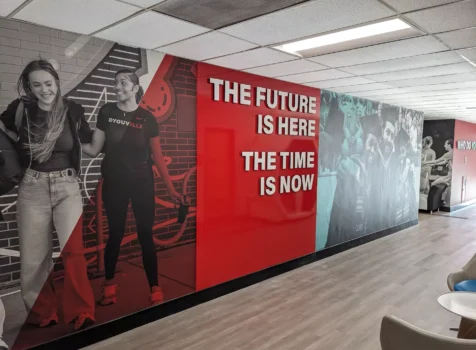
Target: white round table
[462, 304]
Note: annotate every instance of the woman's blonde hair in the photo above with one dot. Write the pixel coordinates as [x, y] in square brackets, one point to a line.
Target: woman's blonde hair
[41, 146]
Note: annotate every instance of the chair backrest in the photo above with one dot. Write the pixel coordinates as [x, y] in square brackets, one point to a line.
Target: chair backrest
[434, 196]
[470, 268]
[396, 334]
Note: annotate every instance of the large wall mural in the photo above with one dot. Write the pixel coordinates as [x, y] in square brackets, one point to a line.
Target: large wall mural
[436, 164]
[369, 167]
[149, 249]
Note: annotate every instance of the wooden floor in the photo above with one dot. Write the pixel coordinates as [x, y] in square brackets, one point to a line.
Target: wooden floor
[334, 304]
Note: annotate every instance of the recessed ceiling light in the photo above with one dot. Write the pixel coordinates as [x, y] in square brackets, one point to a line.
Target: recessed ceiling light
[366, 35]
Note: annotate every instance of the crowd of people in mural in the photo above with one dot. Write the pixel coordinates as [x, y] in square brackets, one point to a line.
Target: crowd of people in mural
[372, 150]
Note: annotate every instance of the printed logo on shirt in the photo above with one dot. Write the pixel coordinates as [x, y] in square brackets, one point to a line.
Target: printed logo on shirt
[126, 123]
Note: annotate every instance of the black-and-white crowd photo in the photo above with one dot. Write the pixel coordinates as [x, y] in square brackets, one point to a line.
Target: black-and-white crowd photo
[369, 165]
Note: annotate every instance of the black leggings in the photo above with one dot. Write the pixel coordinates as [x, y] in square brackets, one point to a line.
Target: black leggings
[116, 196]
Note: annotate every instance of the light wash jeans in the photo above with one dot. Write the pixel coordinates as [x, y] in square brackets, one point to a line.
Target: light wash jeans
[44, 200]
[2, 320]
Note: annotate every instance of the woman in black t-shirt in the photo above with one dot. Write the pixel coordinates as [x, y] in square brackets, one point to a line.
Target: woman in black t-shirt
[129, 135]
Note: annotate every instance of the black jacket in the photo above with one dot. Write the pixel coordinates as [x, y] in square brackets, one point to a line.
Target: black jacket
[80, 129]
[10, 170]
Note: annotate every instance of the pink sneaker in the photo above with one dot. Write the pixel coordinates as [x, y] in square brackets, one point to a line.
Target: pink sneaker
[108, 294]
[84, 320]
[49, 321]
[156, 296]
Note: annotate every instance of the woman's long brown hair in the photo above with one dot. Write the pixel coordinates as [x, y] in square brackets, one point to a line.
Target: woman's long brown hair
[42, 146]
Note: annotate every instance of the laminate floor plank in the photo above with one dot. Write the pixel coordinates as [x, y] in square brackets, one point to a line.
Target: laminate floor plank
[336, 303]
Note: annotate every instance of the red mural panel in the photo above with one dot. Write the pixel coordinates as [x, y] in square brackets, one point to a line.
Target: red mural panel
[464, 164]
[239, 231]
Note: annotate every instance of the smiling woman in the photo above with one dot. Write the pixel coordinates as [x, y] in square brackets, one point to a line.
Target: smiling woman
[50, 130]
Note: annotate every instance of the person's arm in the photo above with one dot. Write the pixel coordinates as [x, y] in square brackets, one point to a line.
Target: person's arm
[96, 145]
[7, 119]
[84, 130]
[440, 161]
[162, 169]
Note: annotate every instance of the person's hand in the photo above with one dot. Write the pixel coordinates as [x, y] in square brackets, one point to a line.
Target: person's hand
[176, 197]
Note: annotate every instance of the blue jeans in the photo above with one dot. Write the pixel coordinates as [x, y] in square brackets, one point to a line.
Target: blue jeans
[46, 200]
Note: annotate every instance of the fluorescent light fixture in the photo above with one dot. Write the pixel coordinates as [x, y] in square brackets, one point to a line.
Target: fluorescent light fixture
[369, 34]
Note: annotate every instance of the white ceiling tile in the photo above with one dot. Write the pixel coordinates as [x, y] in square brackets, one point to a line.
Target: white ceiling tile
[382, 92]
[451, 91]
[465, 97]
[363, 87]
[161, 30]
[470, 54]
[206, 46]
[412, 5]
[445, 18]
[432, 59]
[460, 39]
[449, 86]
[253, 58]
[8, 6]
[442, 79]
[286, 68]
[340, 82]
[423, 72]
[310, 18]
[79, 16]
[387, 51]
[315, 76]
[144, 3]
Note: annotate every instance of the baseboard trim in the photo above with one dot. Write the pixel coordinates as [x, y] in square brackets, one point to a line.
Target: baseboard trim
[78, 340]
[462, 205]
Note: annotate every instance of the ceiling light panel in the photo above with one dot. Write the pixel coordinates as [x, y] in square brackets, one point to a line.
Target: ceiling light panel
[8, 6]
[144, 3]
[347, 39]
[363, 87]
[423, 72]
[388, 51]
[445, 18]
[308, 19]
[328, 84]
[443, 79]
[286, 68]
[207, 46]
[399, 64]
[79, 16]
[315, 76]
[252, 58]
[412, 5]
[150, 30]
[460, 39]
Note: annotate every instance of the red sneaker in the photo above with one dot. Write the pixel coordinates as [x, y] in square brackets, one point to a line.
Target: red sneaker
[156, 296]
[49, 321]
[84, 320]
[108, 294]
